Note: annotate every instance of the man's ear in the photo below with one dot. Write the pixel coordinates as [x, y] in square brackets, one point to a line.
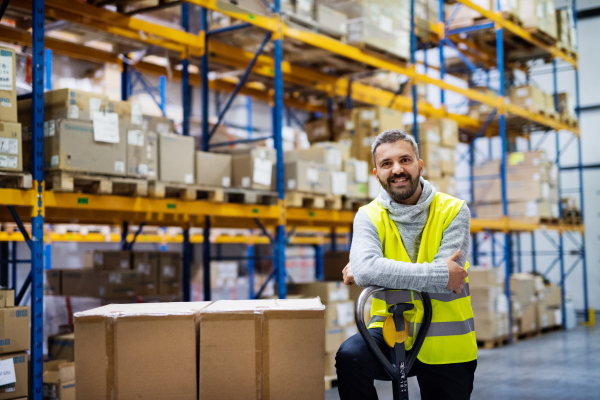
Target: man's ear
[421, 166]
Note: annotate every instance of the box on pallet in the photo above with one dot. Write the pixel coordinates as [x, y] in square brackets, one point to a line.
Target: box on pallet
[7, 298]
[104, 284]
[66, 103]
[432, 160]
[156, 124]
[8, 84]
[254, 169]
[540, 14]
[129, 112]
[529, 97]
[20, 386]
[445, 184]
[145, 263]
[330, 19]
[326, 291]
[108, 260]
[273, 347]
[119, 342]
[213, 169]
[52, 282]
[326, 153]
[14, 328]
[137, 152]
[61, 347]
[522, 210]
[169, 273]
[522, 289]
[307, 176]
[59, 380]
[318, 130]
[11, 149]
[176, 158]
[357, 171]
[152, 156]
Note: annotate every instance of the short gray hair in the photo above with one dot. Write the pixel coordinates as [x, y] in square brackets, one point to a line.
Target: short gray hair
[392, 136]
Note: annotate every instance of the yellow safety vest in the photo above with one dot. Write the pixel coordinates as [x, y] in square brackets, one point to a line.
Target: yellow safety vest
[451, 336]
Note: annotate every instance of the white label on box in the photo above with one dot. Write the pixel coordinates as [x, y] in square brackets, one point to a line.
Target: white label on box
[386, 24]
[6, 103]
[151, 173]
[360, 169]
[349, 125]
[226, 181]
[531, 209]
[73, 112]
[338, 183]
[120, 166]
[188, 178]
[124, 264]
[142, 169]
[161, 127]
[263, 170]
[483, 108]
[367, 114]
[340, 294]
[8, 161]
[368, 141]
[345, 313]
[291, 184]
[536, 161]
[6, 70]
[374, 187]
[558, 317]
[246, 181]
[312, 175]
[49, 128]
[9, 146]
[333, 157]
[304, 5]
[7, 369]
[114, 278]
[54, 161]
[522, 92]
[169, 272]
[95, 104]
[529, 102]
[143, 269]
[106, 127]
[536, 176]
[135, 137]
[136, 113]
[545, 189]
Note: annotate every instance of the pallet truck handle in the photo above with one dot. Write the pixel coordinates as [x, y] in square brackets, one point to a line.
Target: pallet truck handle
[364, 332]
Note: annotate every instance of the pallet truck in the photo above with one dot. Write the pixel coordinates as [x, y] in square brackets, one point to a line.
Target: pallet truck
[395, 333]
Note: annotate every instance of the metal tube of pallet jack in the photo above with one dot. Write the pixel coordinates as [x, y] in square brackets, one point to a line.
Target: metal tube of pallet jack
[37, 221]
[580, 169]
[413, 52]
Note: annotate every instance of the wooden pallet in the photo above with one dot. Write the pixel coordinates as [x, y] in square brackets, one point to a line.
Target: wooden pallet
[376, 51]
[493, 343]
[299, 22]
[168, 190]
[248, 196]
[549, 221]
[526, 335]
[330, 381]
[79, 182]
[15, 180]
[550, 329]
[539, 34]
[310, 200]
[506, 15]
[353, 204]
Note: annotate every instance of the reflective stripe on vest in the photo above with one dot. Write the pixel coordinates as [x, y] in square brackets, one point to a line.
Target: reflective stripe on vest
[451, 338]
[403, 296]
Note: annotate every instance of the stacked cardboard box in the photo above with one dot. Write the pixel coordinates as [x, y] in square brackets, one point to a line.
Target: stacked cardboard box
[478, 110]
[524, 302]
[531, 187]
[254, 168]
[465, 16]
[339, 314]
[490, 307]
[59, 380]
[357, 177]
[11, 149]
[61, 347]
[566, 33]
[14, 342]
[532, 98]
[549, 304]
[539, 14]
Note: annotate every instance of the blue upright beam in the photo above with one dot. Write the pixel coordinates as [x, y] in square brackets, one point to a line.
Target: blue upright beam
[186, 89]
[228, 29]
[186, 265]
[37, 221]
[125, 79]
[13, 257]
[441, 44]
[163, 94]
[48, 81]
[205, 140]
[467, 29]
[251, 271]
[533, 253]
[413, 62]
[249, 117]
[560, 242]
[319, 263]
[277, 134]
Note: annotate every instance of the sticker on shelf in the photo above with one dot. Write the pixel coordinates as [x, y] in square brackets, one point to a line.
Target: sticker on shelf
[7, 372]
[120, 166]
[6, 70]
[106, 127]
[49, 128]
[263, 171]
[226, 181]
[135, 137]
[95, 104]
[188, 178]
[73, 112]
[9, 146]
[136, 113]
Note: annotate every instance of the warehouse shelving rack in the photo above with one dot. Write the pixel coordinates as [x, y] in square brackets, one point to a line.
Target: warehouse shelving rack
[51, 207]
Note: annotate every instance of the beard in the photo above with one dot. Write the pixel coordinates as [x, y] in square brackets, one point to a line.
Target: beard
[399, 194]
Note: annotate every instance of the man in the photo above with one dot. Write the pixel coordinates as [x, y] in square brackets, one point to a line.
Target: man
[411, 237]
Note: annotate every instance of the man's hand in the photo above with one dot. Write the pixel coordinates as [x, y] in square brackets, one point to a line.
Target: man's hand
[457, 274]
[348, 275]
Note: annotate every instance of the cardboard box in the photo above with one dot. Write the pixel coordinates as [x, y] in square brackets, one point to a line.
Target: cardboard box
[327, 291]
[152, 155]
[7, 298]
[59, 380]
[389, 119]
[357, 171]
[339, 314]
[430, 133]
[334, 337]
[61, 347]
[254, 169]
[176, 158]
[169, 273]
[107, 260]
[158, 124]
[52, 282]
[66, 103]
[343, 125]
[333, 264]
[478, 110]
[318, 130]
[11, 148]
[269, 347]
[552, 296]
[356, 190]
[328, 155]
[485, 296]
[14, 328]
[307, 176]
[137, 152]
[529, 97]
[491, 328]
[104, 284]
[213, 169]
[479, 276]
[522, 289]
[447, 164]
[8, 85]
[445, 184]
[21, 366]
[522, 210]
[129, 112]
[449, 132]
[330, 363]
[528, 319]
[145, 263]
[144, 351]
[432, 160]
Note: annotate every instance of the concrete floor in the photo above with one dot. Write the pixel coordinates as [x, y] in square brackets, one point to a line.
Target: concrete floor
[558, 365]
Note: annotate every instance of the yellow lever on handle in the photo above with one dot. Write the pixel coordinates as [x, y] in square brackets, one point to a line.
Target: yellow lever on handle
[390, 335]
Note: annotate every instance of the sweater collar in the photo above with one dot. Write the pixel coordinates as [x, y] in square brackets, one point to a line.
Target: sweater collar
[405, 213]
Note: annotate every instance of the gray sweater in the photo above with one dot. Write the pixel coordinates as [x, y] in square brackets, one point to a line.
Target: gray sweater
[370, 267]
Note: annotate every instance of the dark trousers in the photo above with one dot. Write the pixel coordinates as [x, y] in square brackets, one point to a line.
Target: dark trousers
[357, 368]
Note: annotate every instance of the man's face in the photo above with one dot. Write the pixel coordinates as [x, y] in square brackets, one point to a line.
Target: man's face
[398, 169]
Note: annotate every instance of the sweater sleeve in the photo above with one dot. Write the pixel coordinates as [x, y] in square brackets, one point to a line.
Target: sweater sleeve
[370, 267]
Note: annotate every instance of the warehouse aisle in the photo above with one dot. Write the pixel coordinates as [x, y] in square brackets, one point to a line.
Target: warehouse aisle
[553, 366]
